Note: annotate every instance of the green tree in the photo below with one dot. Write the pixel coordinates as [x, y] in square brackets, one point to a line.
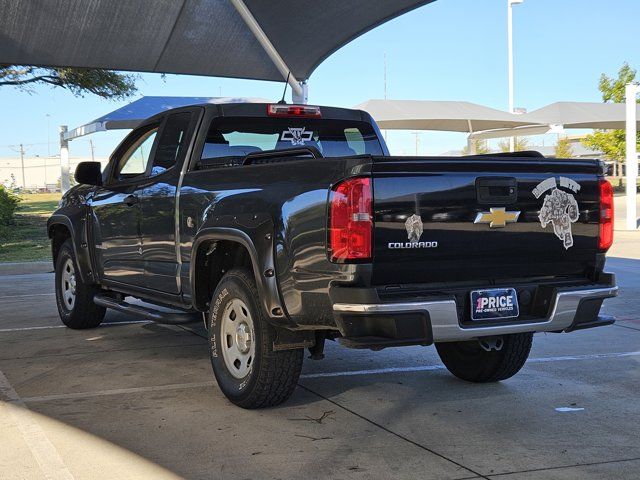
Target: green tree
[563, 148]
[481, 147]
[8, 205]
[612, 142]
[521, 144]
[79, 81]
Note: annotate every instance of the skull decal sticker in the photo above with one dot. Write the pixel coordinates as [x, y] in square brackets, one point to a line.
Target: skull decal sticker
[414, 227]
[559, 207]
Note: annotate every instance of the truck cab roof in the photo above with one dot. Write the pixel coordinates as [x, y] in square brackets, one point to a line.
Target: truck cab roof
[261, 110]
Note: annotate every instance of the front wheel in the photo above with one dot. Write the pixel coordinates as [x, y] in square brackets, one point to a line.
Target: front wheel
[474, 362]
[73, 297]
[249, 372]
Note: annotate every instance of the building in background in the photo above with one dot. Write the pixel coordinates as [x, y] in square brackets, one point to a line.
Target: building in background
[39, 173]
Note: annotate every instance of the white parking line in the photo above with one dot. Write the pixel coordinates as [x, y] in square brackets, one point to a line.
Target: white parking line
[590, 356]
[45, 453]
[350, 373]
[118, 391]
[28, 295]
[427, 368]
[373, 371]
[47, 327]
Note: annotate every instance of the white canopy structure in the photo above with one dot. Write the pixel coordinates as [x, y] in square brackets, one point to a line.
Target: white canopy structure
[135, 112]
[446, 116]
[556, 117]
[581, 115]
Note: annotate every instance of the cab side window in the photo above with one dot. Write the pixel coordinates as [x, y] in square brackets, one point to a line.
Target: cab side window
[135, 159]
[173, 142]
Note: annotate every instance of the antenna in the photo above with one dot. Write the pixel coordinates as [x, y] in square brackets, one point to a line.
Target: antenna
[282, 100]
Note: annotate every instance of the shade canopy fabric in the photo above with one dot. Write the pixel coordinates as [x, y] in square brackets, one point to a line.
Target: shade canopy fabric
[581, 115]
[135, 112]
[438, 115]
[197, 37]
[558, 116]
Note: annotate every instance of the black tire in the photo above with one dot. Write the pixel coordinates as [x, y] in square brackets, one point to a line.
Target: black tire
[272, 375]
[469, 361]
[82, 312]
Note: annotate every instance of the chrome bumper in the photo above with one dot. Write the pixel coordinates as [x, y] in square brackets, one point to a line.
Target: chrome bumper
[445, 326]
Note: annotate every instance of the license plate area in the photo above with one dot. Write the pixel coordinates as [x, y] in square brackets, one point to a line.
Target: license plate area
[494, 304]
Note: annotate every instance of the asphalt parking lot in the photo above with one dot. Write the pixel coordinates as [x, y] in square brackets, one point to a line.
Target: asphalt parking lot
[138, 400]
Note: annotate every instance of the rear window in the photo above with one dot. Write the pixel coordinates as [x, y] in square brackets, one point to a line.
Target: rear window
[236, 137]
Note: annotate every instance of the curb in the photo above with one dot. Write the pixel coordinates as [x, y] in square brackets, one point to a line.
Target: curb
[25, 268]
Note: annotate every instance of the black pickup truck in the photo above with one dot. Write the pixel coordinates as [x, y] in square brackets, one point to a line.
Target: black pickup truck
[287, 225]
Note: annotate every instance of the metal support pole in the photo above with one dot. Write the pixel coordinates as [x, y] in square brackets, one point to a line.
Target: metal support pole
[510, 4]
[631, 92]
[304, 97]
[65, 183]
[254, 26]
[471, 146]
[471, 143]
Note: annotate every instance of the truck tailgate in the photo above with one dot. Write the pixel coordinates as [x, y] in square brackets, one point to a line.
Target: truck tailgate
[480, 219]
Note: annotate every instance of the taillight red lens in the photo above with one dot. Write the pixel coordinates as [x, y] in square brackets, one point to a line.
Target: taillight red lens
[606, 215]
[351, 220]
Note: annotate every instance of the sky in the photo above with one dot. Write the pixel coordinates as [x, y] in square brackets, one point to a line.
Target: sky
[447, 50]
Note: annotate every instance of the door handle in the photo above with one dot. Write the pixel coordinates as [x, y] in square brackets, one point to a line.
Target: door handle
[130, 200]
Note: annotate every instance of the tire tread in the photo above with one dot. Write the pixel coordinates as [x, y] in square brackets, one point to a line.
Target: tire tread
[279, 370]
[85, 314]
[516, 354]
[487, 367]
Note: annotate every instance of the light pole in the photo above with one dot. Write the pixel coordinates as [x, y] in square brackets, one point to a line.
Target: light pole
[48, 149]
[385, 86]
[631, 93]
[65, 184]
[21, 151]
[510, 4]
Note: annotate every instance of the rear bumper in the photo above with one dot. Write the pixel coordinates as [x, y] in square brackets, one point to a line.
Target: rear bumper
[428, 321]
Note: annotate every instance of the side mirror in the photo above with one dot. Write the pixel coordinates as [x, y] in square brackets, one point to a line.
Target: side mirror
[89, 173]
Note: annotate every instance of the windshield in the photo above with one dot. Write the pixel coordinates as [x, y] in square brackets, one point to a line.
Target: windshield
[232, 137]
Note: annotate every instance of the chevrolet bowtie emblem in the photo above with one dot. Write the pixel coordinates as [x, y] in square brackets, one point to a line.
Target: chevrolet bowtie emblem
[497, 217]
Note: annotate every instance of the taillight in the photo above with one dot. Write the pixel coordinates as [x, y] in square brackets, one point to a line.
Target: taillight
[605, 238]
[350, 220]
[301, 111]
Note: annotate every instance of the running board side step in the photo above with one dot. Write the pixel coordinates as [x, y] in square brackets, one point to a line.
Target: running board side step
[147, 313]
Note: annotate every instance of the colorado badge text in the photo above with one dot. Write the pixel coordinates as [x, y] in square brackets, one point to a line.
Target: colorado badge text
[415, 229]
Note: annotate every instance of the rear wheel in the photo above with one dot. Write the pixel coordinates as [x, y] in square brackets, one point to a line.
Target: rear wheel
[249, 372]
[73, 297]
[486, 361]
